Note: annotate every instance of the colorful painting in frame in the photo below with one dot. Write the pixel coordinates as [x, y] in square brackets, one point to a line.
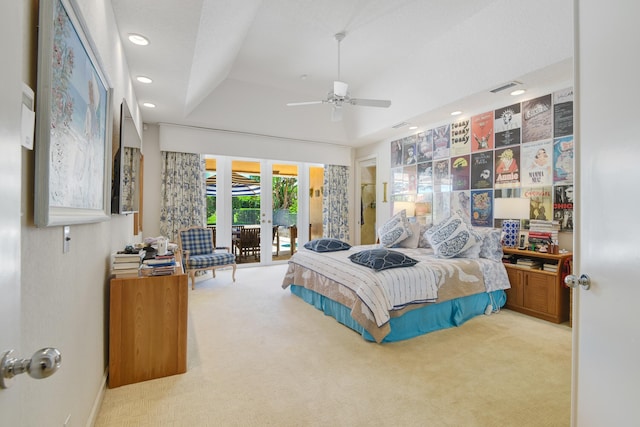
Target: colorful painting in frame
[74, 122]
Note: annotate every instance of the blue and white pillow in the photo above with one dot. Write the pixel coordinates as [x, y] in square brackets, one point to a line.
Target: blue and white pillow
[327, 245]
[491, 247]
[382, 259]
[395, 230]
[452, 237]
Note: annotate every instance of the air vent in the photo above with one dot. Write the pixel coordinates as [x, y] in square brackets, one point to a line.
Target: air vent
[400, 125]
[505, 86]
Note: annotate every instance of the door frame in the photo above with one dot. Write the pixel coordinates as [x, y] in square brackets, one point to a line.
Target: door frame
[361, 164]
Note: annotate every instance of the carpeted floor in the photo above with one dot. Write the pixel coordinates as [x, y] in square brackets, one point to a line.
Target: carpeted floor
[259, 356]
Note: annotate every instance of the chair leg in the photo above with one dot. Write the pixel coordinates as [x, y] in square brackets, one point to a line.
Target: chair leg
[233, 275]
[192, 274]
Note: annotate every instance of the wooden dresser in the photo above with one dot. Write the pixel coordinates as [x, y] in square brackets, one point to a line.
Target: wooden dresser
[147, 328]
[539, 293]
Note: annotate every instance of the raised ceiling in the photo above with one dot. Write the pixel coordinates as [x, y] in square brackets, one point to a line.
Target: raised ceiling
[233, 65]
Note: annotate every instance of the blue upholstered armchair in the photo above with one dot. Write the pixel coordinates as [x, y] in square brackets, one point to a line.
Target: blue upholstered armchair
[199, 252]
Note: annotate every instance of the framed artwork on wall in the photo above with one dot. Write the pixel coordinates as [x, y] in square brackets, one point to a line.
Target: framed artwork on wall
[73, 134]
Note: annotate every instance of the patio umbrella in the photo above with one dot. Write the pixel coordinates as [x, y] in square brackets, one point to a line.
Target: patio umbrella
[240, 185]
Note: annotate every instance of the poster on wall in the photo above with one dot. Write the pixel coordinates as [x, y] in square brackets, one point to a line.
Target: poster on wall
[536, 119]
[410, 175]
[460, 172]
[507, 162]
[425, 178]
[482, 208]
[441, 136]
[441, 206]
[461, 204]
[563, 206]
[460, 141]
[482, 132]
[409, 154]
[540, 202]
[563, 113]
[563, 160]
[441, 175]
[425, 146]
[396, 153]
[398, 183]
[535, 162]
[507, 123]
[424, 208]
[482, 170]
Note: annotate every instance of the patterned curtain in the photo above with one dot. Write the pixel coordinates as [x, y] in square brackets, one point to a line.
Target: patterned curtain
[183, 192]
[335, 202]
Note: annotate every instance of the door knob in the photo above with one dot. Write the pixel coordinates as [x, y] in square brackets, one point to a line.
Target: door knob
[573, 281]
[44, 363]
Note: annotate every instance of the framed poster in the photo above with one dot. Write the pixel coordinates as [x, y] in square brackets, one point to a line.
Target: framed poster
[73, 135]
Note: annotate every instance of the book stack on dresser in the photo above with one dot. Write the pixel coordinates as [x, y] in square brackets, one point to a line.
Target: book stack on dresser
[126, 264]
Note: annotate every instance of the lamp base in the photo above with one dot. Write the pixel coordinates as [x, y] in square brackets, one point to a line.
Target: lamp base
[510, 230]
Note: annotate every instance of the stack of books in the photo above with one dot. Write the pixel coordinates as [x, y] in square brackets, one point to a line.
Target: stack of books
[160, 265]
[533, 264]
[125, 264]
[542, 231]
[551, 267]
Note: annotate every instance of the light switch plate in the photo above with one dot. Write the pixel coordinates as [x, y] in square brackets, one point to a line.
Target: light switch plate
[66, 238]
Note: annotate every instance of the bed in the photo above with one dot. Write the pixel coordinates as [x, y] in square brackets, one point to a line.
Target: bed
[397, 303]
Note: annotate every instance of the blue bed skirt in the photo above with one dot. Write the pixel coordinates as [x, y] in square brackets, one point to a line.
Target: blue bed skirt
[413, 323]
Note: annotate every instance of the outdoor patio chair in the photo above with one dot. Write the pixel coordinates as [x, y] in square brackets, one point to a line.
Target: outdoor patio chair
[199, 252]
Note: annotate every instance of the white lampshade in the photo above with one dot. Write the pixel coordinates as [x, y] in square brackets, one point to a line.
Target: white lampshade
[410, 207]
[511, 208]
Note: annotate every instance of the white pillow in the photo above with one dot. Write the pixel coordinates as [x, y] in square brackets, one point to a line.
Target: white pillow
[395, 230]
[411, 241]
[452, 237]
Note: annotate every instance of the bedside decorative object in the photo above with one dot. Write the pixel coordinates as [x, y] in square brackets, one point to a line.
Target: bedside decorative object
[512, 211]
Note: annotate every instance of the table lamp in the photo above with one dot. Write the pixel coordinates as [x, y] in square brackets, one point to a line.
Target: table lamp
[511, 211]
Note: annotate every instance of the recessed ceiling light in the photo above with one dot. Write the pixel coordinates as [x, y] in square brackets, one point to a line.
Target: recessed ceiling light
[149, 105]
[518, 92]
[144, 79]
[413, 127]
[138, 39]
[456, 113]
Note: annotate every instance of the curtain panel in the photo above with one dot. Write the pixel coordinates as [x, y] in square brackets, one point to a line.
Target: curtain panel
[183, 188]
[335, 202]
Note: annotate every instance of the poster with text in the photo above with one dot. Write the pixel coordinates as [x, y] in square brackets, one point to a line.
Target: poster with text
[411, 176]
[441, 137]
[460, 172]
[540, 202]
[563, 160]
[563, 206]
[425, 146]
[507, 161]
[396, 153]
[537, 119]
[441, 206]
[482, 170]
[507, 124]
[563, 113]
[482, 132]
[461, 204]
[409, 152]
[425, 178]
[536, 164]
[482, 208]
[460, 140]
[399, 184]
[441, 175]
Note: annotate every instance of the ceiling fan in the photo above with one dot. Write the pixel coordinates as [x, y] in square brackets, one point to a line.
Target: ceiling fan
[340, 94]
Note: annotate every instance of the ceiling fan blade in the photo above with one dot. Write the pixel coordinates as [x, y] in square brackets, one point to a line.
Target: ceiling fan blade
[336, 114]
[340, 88]
[295, 104]
[384, 103]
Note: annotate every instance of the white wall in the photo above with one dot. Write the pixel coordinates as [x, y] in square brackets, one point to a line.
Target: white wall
[65, 296]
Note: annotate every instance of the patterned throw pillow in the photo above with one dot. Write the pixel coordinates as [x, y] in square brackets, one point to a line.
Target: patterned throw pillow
[491, 247]
[452, 237]
[395, 230]
[382, 259]
[327, 245]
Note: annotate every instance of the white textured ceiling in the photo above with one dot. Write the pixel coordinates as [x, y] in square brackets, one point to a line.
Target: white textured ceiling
[234, 64]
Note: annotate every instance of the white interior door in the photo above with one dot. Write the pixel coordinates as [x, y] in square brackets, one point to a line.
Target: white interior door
[606, 321]
[10, 175]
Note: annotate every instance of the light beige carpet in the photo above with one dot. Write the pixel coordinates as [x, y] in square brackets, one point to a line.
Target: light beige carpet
[259, 356]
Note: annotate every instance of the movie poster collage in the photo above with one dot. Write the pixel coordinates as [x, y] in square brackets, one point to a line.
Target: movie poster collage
[521, 150]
